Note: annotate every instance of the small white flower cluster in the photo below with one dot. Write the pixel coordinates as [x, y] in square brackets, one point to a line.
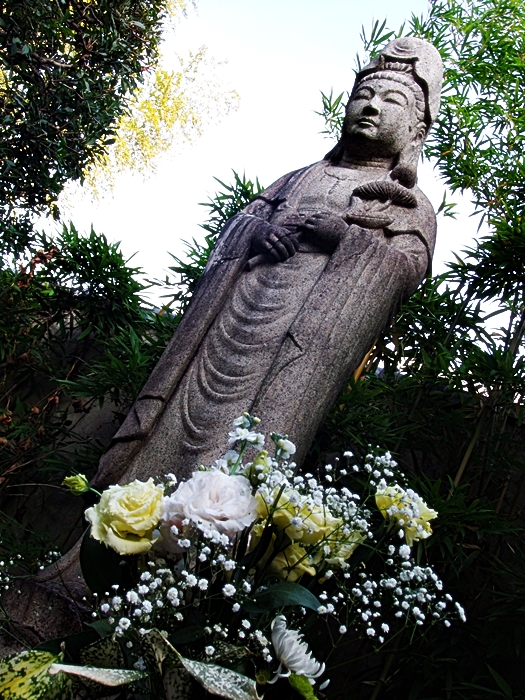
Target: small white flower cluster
[243, 432]
[380, 466]
[13, 568]
[144, 604]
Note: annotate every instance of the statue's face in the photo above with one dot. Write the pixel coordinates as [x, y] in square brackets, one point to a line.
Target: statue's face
[381, 118]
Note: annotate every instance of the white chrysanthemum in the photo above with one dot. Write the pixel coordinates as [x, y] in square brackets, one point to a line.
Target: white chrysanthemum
[292, 652]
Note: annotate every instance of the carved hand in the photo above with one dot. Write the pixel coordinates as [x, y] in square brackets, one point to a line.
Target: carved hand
[276, 241]
[326, 228]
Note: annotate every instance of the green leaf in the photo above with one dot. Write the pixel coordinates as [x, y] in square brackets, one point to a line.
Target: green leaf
[224, 651]
[74, 643]
[505, 687]
[105, 676]
[160, 656]
[222, 681]
[279, 595]
[302, 685]
[155, 648]
[25, 676]
[102, 627]
[177, 684]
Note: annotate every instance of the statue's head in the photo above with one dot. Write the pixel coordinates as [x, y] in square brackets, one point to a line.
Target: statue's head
[392, 106]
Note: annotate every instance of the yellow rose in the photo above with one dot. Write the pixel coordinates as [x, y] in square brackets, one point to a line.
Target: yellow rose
[407, 510]
[289, 564]
[126, 516]
[318, 523]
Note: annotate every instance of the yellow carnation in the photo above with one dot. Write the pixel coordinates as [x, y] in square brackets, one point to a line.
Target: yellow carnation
[303, 522]
[292, 563]
[343, 549]
[407, 510]
[126, 516]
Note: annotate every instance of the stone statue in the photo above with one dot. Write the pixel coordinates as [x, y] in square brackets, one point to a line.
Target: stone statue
[299, 286]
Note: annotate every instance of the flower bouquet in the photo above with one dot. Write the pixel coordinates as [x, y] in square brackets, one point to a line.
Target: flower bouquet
[235, 579]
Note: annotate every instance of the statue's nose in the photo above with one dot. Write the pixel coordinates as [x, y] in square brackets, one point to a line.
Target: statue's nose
[372, 107]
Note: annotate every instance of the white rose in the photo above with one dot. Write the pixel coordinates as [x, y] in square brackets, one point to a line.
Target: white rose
[211, 501]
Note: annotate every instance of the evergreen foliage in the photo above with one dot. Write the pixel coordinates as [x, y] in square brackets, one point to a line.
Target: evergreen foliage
[66, 71]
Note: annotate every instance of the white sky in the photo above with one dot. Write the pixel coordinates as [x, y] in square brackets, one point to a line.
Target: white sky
[280, 54]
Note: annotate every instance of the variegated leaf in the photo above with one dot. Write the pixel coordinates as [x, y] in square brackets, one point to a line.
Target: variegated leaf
[159, 654]
[104, 653]
[222, 681]
[177, 684]
[155, 649]
[25, 676]
[105, 676]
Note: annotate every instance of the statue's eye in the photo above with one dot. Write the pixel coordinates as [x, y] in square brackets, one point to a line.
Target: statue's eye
[395, 99]
[362, 95]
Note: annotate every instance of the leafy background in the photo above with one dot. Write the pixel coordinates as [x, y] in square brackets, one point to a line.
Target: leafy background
[440, 390]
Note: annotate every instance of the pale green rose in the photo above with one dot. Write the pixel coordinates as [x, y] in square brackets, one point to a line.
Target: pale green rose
[77, 484]
[126, 516]
[407, 510]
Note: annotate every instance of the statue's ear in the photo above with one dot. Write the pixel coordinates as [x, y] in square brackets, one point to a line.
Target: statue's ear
[405, 171]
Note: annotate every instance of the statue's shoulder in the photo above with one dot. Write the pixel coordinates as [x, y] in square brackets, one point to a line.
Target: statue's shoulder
[426, 216]
[423, 201]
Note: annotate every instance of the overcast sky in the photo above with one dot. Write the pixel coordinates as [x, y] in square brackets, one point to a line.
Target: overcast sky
[280, 54]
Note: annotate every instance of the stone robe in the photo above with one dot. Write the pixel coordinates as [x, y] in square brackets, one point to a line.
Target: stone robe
[279, 340]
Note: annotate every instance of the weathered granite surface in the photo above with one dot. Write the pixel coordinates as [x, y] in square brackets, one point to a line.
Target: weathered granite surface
[299, 286]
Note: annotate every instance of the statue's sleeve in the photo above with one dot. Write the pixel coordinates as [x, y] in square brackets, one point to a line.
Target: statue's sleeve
[230, 245]
[413, 235]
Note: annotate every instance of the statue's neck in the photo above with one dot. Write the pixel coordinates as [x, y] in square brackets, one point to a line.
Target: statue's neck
[356, 161]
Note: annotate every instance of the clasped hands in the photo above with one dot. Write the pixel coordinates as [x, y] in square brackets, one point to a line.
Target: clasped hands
[281, 242]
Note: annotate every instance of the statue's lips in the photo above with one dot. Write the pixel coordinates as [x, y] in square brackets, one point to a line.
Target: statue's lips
[366, 122]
